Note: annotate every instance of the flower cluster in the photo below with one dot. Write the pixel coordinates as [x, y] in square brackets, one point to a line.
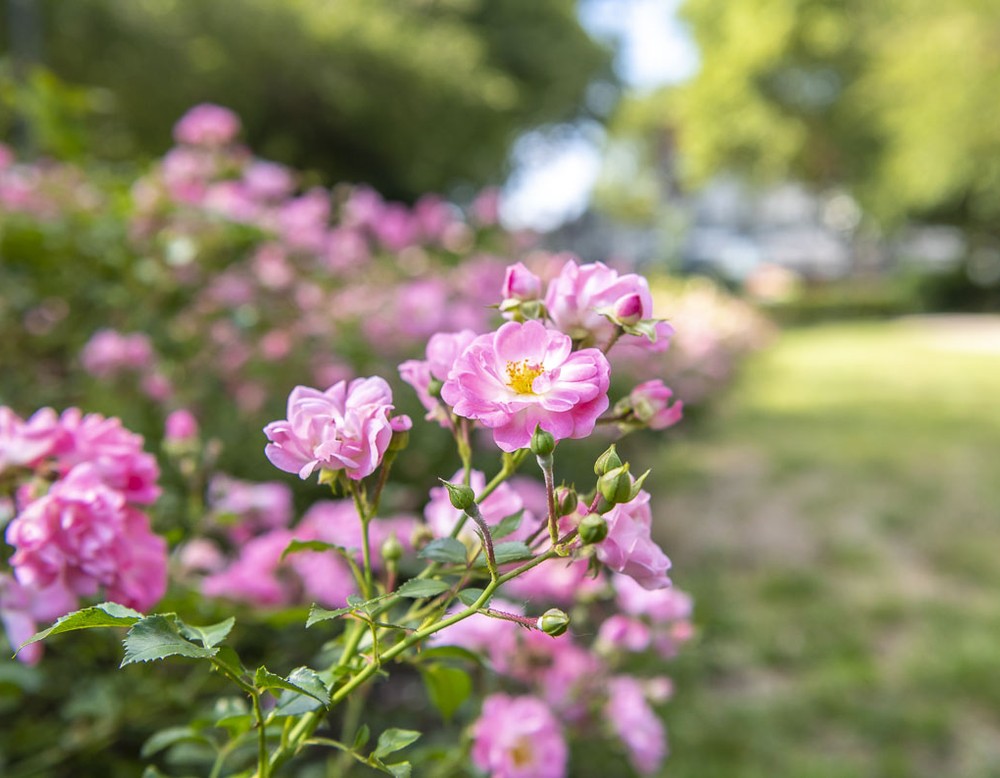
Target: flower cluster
[77, 529]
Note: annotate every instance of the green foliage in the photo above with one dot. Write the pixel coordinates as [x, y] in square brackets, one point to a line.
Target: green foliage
[446, 550]
[447, 687]
[422, 587]
[157, 637]
[894, 99]
[410, 96]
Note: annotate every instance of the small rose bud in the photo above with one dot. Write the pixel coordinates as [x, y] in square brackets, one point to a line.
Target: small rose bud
[400, 433]
[461, 496]
[542, 443]
[567, 500]
[434, 387]
[553, 622]
[181, 427]
[391, 549]
[593, 529]
[615, 485]
[609, 460]
[519, 283]
[628, 309]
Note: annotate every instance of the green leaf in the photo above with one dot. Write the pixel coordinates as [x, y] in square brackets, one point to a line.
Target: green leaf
[265, 680]
[107, 614]
[393, 740]
[511, 551]
[361, 738]
[507, 525]
[296, 546]
[318, 614]
[447, 688]
[399, 770]
[470, 596]
[325, 741]
[422, 587]
[446, 550]
[156, 637]
[209, 636]
[168, 737]
[309, 681]
[229, 659]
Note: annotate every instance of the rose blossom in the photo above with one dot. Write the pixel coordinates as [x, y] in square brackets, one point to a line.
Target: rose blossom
[83, 536]
[207, 125]
[636, 724]
[518, 737]
[579, 296]
[109, 352]
[25, 443]
[629, 549]
[523, 376]
[347, 428]
[519, 283]
[180, 427]
[650, 402]
[443, 349]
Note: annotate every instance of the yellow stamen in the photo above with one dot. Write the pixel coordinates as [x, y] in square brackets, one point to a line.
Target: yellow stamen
[522, 754]
[522, 375]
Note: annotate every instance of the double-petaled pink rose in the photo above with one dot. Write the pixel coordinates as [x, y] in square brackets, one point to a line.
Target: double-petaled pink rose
[523, 376]
[347, 427]
[518, 737]
[629, 548]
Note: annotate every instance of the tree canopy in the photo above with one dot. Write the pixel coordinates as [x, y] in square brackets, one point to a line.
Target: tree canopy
[409, 95]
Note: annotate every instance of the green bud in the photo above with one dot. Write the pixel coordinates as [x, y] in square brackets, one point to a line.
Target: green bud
[615, 485]
[553, 622]
[567, 500]
[434, 387]
[391, 549]
[399, 440]
[593, 528]
[542, 443]
[609, 460]
[421, 536]
[461, 496]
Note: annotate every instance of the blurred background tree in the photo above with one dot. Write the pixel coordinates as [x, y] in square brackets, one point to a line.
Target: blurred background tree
[409, 96]
[895, 100]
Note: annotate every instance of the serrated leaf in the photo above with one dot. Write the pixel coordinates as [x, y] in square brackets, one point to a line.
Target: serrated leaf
[507, 525]
[393, 740]
[361, 738]
[318, 614]
[168, 737]
[447, 688]
[470, 596]
[157, 637]
[297, 546]
[446, 550]
[309, 681]
[265, 680]
[106, 614]
[417, 588]
[209, 636]
[510, 551]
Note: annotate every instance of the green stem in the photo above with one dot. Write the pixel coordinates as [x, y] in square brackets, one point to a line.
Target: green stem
[263, 764]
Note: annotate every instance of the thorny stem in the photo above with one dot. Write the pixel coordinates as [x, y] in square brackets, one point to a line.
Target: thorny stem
[491, 561]
[550, 493]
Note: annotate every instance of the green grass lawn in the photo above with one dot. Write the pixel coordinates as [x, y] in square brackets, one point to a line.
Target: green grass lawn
[838, 523]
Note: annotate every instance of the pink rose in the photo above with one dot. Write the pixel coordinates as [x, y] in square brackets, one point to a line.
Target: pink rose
[519, 283]
[443, 349]
[207, 125]
[650, 403]
[180, 427]
[636, 724]
[518, 737]
[347, 428]
[524, 375]
[24, 444]
[629, 549]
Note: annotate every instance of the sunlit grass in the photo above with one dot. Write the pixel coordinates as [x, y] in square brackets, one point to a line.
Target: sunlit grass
[839, 526]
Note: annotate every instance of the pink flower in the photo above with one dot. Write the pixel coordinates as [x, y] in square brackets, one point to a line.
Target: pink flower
[247, 508]
[660, 605]
[181, 427]
[347, 428]
[337, 522]
[109, 352]
[496, 639]
[25, 444]
[443, 349]
[519, 283]
[650, 402]
[636, 724]
[207, 125]
[518, 737]
[560, 669]
[268, 180]
[629, 549]
[579, 296]
[524, 375]
[619, 632]
[84, 536]
[558, 581]
[302, 221]
[486, 207]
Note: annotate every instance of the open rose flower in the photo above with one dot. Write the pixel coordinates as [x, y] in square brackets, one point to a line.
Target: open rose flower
[518, 737]
[629, 549]
[347, 428]
[523, 376]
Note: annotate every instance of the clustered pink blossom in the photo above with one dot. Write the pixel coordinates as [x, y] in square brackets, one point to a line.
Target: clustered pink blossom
[109, 352]
[347, 427]
[207, 125]
[523, 376]
[636, 724]
[246, 508]
[84, 533]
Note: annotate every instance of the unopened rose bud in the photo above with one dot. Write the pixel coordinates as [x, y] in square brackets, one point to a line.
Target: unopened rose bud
[542, 443]
[519, 283]
[461, 496]
[180, 427]
[400, 433]
[628, 309]
[593, 529]
[615, 485]
[609, 460]
[553, 622]
[434, 387]
[391, 549]
[567, 500]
